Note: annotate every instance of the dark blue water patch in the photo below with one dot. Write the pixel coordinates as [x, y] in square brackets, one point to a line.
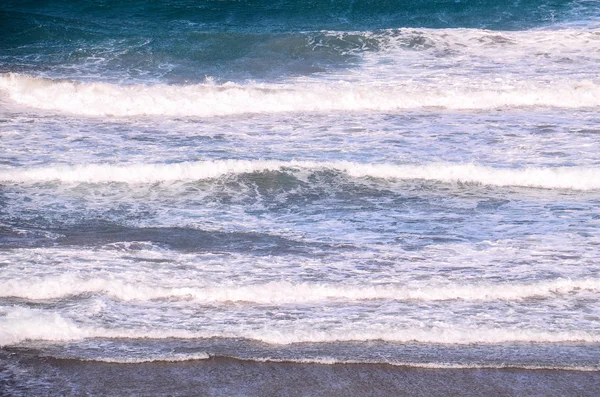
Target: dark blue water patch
[296, 15]
[96, 233]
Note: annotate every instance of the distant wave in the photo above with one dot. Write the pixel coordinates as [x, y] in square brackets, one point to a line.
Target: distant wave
[280, 292]
[547, 45]
[577, 178]
[104, 99]
[20, 324]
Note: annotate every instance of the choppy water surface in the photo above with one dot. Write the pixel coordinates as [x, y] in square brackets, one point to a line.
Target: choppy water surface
[415, 185]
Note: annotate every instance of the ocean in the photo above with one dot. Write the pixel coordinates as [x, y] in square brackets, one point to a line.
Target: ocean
[300, 197]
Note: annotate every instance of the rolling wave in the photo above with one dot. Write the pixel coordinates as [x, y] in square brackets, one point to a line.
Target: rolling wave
[57, 287]
[205, 100]
[19, 324]
[576, 178]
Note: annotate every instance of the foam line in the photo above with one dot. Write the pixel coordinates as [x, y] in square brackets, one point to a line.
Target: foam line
[174, 357]
[429, 365]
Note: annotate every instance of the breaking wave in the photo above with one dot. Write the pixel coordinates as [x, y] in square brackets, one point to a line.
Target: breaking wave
[18, 324]
[576, 178]
[204, 100]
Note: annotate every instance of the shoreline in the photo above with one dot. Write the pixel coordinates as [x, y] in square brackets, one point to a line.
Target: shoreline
[221, 376]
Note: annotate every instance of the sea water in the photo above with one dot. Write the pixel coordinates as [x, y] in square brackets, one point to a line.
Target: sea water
[413, 183]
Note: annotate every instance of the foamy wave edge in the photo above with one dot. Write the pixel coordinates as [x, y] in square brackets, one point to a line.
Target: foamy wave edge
[170, 358]
[576, 178]
[206, 100]
[336, 361]
[430, 365]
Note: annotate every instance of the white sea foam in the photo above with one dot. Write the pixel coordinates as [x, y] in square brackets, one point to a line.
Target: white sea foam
[577, 178]
[279, 292]
[104, 99]
[18, 324]
[532, 42]
[511, 49]
[444, 335]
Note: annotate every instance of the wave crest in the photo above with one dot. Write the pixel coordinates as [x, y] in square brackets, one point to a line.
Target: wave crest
[577, 178]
